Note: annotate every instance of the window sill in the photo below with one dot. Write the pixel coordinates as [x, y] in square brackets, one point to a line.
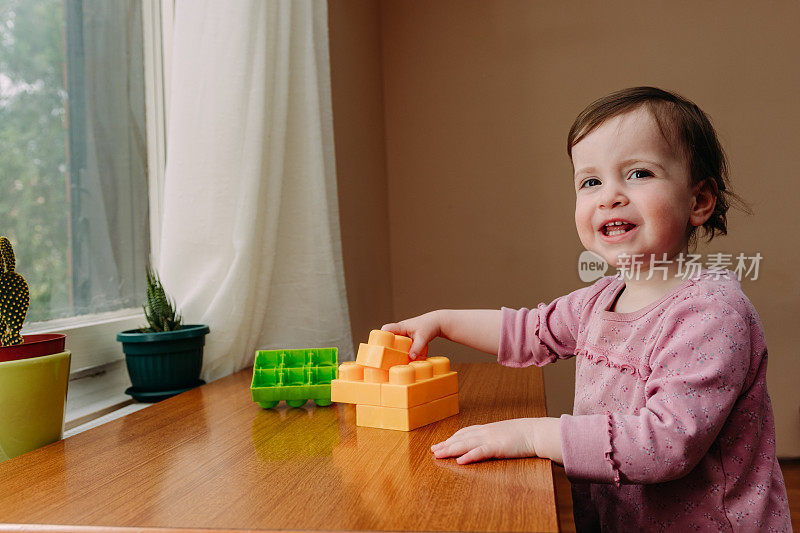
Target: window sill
[96, 397]
[92, 339]
[113, 415]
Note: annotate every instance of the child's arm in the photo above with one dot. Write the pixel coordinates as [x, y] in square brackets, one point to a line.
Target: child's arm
[480, 329]
[519, 338]
[526, 336]
[476, 328]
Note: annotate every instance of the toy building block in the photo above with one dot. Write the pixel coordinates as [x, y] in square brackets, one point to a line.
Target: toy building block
[406, 419]
[294, 376]
[391, 391]
[419, 382]
[384, 350]
[402, 386]
[357, 384]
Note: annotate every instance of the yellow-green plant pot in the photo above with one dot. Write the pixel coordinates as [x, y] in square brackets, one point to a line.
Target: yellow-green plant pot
[33, 393]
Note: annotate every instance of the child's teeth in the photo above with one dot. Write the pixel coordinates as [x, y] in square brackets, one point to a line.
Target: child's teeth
[618, 228]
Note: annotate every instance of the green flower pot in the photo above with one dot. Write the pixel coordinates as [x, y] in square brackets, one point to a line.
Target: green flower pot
[163, 364]
[33, 393]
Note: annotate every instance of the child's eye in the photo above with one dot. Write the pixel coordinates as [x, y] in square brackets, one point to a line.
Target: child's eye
[641, 170]
[583, 185]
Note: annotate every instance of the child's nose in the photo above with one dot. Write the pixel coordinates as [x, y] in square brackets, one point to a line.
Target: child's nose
[613, 196]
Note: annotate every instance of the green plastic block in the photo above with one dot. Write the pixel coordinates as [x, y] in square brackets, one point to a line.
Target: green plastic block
[294, 376]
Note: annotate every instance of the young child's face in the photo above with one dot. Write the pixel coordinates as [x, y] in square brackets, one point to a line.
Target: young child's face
[626, 170]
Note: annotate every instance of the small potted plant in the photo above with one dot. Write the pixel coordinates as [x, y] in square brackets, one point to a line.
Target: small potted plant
[164, 358]
[34, 372]
[14, 302]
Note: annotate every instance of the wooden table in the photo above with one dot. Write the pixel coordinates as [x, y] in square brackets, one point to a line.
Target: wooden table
[211, 458]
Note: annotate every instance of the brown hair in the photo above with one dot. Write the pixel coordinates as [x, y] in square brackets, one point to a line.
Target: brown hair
[681, 122]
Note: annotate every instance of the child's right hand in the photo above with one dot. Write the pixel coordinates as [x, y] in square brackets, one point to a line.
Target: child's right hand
[476, 328]
[421, 329]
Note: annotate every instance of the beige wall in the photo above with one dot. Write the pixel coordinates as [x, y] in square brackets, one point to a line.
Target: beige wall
[477, 98]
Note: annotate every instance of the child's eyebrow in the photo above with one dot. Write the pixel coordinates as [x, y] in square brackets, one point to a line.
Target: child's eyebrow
[622, 164]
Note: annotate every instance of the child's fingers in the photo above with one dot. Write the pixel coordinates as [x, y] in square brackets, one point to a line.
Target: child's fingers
[419, 348]
[480, 453]
[461, 433]
[457, 448]
[439, 445]
[395, 328]
[399, 328]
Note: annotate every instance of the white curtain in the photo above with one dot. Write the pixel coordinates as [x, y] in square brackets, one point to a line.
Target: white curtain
[250, 241]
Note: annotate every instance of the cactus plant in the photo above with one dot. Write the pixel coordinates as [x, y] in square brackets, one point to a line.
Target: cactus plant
[14, 297]
[159, 309]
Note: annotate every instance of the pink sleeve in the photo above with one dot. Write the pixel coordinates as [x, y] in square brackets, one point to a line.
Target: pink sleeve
[542, 335]
[698, 371]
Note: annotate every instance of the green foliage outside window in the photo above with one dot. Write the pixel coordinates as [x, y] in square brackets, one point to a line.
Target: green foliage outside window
[34, 206]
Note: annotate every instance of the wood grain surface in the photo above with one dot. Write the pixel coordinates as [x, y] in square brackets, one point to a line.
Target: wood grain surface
[211, 458]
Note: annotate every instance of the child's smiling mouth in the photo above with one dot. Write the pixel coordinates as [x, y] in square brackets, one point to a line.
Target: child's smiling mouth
[617, 230]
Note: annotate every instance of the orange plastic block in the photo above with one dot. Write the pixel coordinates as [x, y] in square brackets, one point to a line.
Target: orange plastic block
[401, 386]
[406, 419]
[418, 382]
[358, 384]
[358, 392]
[384, 350]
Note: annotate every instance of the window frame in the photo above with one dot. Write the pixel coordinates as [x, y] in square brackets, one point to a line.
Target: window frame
[92, 338]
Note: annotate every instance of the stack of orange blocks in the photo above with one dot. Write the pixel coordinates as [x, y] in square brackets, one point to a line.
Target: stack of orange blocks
[391, 391]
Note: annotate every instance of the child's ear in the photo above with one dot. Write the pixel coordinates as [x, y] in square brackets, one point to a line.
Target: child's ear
[704, 199]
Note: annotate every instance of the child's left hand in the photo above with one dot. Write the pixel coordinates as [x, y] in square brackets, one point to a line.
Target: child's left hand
[519, 437]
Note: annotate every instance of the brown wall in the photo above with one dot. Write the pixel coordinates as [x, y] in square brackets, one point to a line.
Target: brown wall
[359, 133]
[477, 98]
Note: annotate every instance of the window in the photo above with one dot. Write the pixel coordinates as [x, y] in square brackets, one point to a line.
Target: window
[75, 142]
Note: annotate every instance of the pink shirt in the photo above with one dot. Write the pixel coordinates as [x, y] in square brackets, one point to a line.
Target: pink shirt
[672, 425]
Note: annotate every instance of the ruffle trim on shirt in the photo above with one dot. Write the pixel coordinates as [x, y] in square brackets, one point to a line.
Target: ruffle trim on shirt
[551, 355]
[626, 368]
[609, 453]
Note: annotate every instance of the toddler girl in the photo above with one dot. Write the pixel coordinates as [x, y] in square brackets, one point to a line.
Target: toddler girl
[672, 424]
